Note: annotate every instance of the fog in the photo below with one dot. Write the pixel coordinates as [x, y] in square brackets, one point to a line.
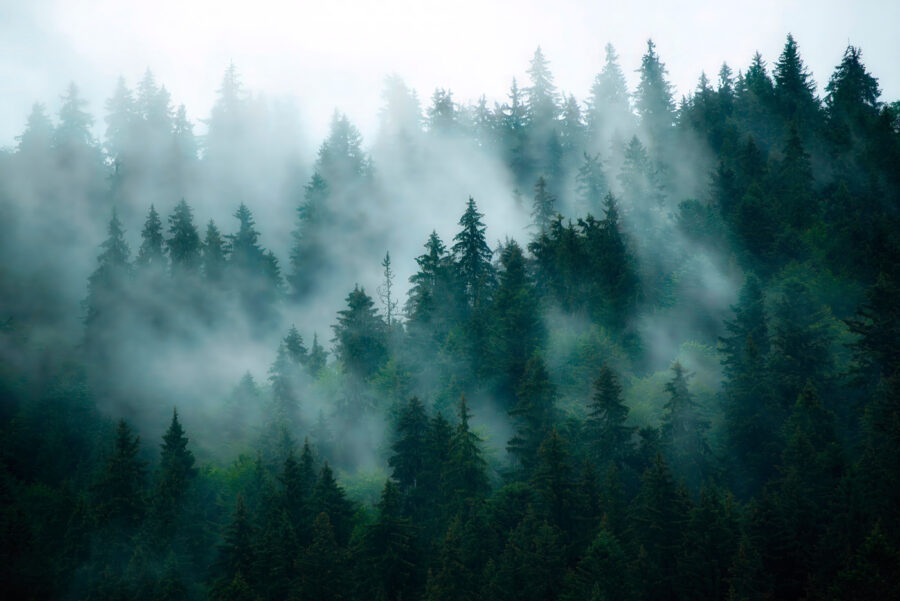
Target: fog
[336, 54]
[395, 173]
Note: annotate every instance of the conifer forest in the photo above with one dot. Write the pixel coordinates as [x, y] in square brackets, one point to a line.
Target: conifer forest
[637, 346]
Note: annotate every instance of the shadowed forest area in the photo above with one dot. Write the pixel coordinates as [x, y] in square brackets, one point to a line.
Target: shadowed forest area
[626, 347]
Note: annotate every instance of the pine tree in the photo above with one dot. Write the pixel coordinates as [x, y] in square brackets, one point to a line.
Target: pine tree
[472, 256]
[341, 157]
[542, 102]
[385, 291]
[801, 342]
[653, 98]
[329, 498]
[591, 183]
[236, 554]
[119, 491]
[795, 89]
[309, 253]
[317, 356]
[175, 476]
[407, 461]
[515, 329]
[797, 201]
[544, 206]
[442, 114]
[609, 109]
[428, 292]
[610, 439]
[534, 414]
[360, 335]
[107, 284]
[554, 484]
[213, 254]
[658, 516]
[601, 574]
[465, 478]
[684, 430]
[323, 570]
[184, 242]
[392, 559]
[152, 251]
[120, 123]
[72, 137]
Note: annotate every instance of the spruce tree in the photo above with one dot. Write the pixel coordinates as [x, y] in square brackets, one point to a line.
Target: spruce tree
[184, 242]
[472, 256]
[609, 438]
[653, 98]
[152, 252]
[360, 335]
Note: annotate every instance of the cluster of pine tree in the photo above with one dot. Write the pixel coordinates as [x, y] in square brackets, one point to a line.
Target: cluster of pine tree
[604, 479]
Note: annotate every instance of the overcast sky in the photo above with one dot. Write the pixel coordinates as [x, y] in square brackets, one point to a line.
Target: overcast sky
[335, 53]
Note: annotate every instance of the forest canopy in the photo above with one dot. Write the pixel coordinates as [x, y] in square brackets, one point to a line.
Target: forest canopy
[629, 346]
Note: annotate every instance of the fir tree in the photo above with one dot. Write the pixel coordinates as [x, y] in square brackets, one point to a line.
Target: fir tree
[609, 437]
[184, 242]
[473, 256]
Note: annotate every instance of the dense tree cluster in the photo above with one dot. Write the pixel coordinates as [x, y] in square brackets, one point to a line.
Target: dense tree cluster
[533, 447]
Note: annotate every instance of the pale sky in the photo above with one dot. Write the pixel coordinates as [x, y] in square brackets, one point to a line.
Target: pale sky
[336, 53]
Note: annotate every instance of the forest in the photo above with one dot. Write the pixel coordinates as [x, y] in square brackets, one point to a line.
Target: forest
[627, 347]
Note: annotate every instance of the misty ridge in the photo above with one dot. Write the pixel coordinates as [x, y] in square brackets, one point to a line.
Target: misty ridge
[630, 346]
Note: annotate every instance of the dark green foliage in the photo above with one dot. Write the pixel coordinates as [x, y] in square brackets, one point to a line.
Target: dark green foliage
[329, 498]
[683, 431]
[780, 483]
[609, 438]
[534, 413]
[360, 335]
[653, 97]
[472, 256]
[184, 242]
[152, 252]
[119, 491]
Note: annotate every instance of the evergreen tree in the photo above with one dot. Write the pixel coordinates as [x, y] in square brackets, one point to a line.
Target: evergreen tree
[293, 344]
[591, 183]
[795, 90]
[360, 335]
[106, 285]
[801, 342]
[601, 574]
[515, 330]
[236, 554]
[542, 105]
[684, 430]
[329, 498]
[610, 439]
[184, 243]
[392, 569]
[119, 491]
[174, 480]
[658, 516]
[609, 109]
[308, 253]
[213, 254]
[317, 356]
[465, 478]
[473, 256]
[152, 251]
[544, 206]
[534, 414]
[407, 461]
[323, 570]
[120, 123]
[653, 98]
[341, 157]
